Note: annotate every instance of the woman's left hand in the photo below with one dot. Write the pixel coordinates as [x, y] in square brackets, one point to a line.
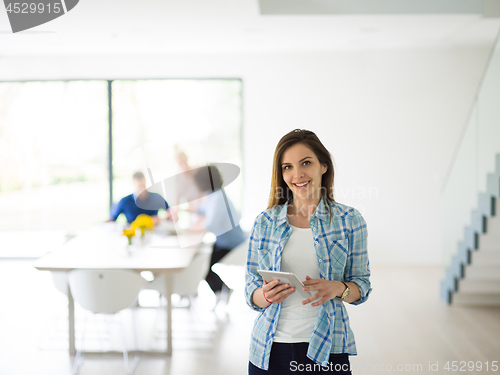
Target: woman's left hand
[327, 290]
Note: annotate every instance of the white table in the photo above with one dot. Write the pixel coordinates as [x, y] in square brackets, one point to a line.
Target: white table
[103, 247]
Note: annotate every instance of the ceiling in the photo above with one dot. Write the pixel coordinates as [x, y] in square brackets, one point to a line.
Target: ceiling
[489, 8]
[102, 27]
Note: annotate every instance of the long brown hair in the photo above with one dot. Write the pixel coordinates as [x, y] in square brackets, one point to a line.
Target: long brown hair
[280, 192]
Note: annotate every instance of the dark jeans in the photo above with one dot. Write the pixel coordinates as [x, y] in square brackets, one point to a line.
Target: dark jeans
[291, 359]
[212, 278]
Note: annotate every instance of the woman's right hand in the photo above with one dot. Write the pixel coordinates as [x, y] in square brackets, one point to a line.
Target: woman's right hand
[276, 293]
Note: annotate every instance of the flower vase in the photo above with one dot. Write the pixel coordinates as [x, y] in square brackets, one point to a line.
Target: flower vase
[130, 249]
[145, 238]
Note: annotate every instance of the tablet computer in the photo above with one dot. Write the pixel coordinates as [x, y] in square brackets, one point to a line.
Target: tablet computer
[285, 278]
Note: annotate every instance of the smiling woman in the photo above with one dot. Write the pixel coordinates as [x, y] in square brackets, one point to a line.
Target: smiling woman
[296, 161]
[303, 178]
[323, 242]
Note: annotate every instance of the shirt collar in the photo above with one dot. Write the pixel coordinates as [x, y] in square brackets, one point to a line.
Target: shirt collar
[321, 211]
[136, 196]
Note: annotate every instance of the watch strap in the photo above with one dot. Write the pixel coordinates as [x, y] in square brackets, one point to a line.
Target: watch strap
[345, 293]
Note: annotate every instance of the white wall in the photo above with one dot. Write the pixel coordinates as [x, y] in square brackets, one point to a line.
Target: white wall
[391, 119]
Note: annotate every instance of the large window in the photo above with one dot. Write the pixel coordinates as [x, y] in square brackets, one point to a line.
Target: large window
[153, 118]
[53, 155]
[54, 147]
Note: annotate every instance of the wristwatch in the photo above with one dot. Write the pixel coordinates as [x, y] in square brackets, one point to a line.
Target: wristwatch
[345, 293]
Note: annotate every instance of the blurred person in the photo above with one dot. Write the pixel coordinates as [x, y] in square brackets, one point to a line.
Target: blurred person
[219, 217]
[141, 201]
[186, 188]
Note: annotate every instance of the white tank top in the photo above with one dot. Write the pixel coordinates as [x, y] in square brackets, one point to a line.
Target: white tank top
[296, 322]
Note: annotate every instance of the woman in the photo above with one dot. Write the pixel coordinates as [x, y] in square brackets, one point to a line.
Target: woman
[323, 242]
[219, 217]
[185, 187]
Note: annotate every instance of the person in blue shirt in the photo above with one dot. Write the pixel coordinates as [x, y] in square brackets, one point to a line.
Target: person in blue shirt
[218, 216]
[306, 232]
[140, 202]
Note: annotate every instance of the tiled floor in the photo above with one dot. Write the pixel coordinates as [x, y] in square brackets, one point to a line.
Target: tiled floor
[402, 324]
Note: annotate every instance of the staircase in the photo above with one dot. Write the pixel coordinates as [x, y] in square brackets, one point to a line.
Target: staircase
[473, 278]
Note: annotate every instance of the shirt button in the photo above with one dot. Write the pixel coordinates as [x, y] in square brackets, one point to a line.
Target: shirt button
[320, 260]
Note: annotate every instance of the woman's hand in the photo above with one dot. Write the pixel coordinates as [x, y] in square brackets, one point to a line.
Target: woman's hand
[276, 293]
[327, 290]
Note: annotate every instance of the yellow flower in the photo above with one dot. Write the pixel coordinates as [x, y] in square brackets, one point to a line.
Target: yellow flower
[130, 232]
[143, 222]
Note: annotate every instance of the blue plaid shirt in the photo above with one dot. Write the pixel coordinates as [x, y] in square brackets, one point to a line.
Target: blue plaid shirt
[342, 255]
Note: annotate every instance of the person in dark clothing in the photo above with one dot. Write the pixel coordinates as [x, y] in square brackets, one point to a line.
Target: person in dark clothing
[140, 202]
[219, 217]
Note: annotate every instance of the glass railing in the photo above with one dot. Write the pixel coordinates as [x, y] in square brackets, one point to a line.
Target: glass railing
[474, 160]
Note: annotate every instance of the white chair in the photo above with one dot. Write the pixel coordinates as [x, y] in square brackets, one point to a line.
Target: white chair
[106, 292]
[186, 282]
[231, 268]
[57, 333]
[60, 280]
